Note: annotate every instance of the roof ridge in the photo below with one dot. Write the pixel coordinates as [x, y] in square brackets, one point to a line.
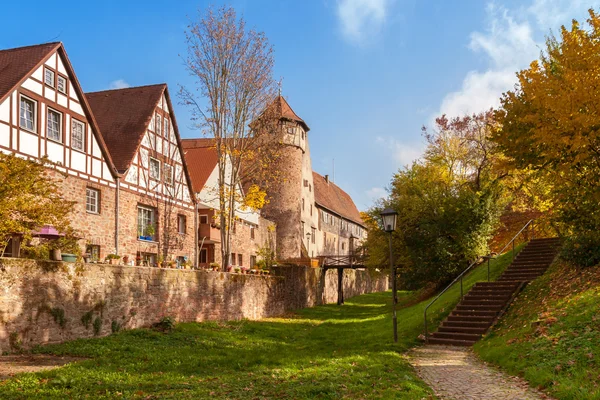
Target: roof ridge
[128, 88]
[30, 46]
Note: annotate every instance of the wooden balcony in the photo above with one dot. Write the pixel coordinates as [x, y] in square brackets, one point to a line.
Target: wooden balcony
[209, 233]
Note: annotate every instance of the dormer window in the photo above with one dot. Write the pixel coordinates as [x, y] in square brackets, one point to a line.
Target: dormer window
[49, 77]
[154, 168]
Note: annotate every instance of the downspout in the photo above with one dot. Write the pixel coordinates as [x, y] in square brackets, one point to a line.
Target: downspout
[117, 196]
[196, 252]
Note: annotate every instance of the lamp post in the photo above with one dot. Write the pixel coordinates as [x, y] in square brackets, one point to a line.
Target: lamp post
[388, 219]
[308, 237]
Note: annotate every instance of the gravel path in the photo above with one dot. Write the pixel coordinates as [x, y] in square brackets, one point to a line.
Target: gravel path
[456, 373]
[16, 364]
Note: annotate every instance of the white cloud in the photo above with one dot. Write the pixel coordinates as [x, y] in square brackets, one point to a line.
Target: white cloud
[512, 39]
[119, 84]
[404, 153]
[360, 19]
[376, 193]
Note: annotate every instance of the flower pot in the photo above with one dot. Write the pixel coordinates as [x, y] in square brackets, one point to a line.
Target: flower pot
[55, 255]
[68, 257]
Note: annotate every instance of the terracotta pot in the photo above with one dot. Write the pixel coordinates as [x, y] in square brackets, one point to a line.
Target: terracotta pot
[56, 255]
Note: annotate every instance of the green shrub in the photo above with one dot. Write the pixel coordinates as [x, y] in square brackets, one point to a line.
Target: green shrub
[115, 326]
[166, 324]
[97, 326]
[582, 250]
[86, 319]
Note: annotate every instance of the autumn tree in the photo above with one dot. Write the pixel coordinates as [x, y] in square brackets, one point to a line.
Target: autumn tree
[449, 203]
[29, 199]
[233, 71]
[550, 123]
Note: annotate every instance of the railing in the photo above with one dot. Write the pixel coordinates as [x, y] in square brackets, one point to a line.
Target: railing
[477, 262]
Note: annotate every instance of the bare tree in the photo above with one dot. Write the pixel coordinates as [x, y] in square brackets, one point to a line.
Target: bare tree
[233, 70]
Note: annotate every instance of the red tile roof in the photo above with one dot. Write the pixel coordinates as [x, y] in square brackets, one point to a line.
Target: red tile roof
[328, 195]
[17, 64]
[123, 116]
[201, 162]
[283, 109]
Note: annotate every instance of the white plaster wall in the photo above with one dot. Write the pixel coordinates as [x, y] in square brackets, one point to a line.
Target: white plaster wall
[55, 152]
[33, 86]
[97, 168]
[75, 107]
[62, 100]
[4, 135]
[39, 73]
[29, 143]
[132, 175]
[61, 66]
[50, 94]
[51, 61]
[5, 110]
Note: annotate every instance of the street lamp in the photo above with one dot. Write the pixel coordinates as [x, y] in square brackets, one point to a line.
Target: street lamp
[308, 237]
[388, 220]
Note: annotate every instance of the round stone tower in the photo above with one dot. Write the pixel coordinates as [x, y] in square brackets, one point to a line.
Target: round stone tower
[291, 197]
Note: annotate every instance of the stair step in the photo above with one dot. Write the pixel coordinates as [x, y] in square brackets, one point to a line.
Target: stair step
[482, 303]
[457, 336]
[451, 342]
[484, 307]
[479, 313]
[467, 324]
[469, 318]
[486, 297]
[463, 329]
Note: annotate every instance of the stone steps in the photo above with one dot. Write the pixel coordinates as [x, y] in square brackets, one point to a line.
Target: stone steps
[482, 305]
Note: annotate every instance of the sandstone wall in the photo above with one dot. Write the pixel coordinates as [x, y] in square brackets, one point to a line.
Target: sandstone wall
[45, 302]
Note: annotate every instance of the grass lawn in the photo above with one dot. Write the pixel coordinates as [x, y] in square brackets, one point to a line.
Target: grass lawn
[326, 352]
[551, 335]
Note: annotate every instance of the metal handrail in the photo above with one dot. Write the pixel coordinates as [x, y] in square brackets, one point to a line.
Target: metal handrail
[477, 261]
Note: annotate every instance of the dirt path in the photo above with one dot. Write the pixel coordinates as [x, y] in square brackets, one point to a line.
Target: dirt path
[456, 373]
[16, 364]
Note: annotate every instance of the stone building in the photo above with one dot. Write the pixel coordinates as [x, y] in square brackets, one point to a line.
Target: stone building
[250, 232]
[314, 217]
[44, 113]
[156, 207]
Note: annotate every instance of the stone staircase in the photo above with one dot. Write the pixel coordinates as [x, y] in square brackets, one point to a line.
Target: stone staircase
[486, 301]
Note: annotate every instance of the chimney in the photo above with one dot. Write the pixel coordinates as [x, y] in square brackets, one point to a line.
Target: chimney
[327, 178]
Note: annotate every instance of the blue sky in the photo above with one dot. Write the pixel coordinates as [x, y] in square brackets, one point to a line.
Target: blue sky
[364, 74]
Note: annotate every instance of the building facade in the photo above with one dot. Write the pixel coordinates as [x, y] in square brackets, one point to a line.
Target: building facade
[250, 233]
[44, 114]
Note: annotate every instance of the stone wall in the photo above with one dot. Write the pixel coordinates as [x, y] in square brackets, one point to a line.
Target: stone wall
[45, 302]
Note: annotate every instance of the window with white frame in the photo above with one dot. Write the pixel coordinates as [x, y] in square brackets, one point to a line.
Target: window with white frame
[49, 77]
[92, 200]
[54, 131]
[146, 226]
[181, 224]
[168, 171]
[166, 127]
[77, 135]
[61, 84]
[154, 168]
[158, 124]
[28, 114]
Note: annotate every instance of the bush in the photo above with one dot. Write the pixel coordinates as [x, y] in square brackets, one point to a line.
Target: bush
[167, 324]
[582, 250]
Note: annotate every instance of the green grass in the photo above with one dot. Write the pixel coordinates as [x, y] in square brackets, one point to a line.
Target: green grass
[325, 352]
[551, 335]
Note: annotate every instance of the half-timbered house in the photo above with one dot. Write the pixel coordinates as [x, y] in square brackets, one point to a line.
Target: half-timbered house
[44, 114]
[156, 222]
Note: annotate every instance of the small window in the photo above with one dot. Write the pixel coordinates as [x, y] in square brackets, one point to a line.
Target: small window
[302, 135]
[77, 135]
[166, 127]
[168, 171]
[146, 223]
[92, 201]
[240, 260]
[54, 125]
[181, 224]
[204, 219]
[154, 168]
[234, 227]
[302, 204]
[290, 129]
[203, 256]
[313, 234]
[158, 124]
[49, 77]
[93, 252]
[28, 114]
[311, 210]
[252, 233]
[232, 258]
[344, 246]
[61, 84]
[309, 187]
[252, 261]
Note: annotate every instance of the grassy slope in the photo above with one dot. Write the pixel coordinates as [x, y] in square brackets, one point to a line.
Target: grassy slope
[551, 335]
[326, 352]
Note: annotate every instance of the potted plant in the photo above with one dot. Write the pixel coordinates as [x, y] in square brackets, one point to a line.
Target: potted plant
[126, 259]
[113, 259]
[215, 266]
[138, 260]
[236, 270]
[172, 264]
